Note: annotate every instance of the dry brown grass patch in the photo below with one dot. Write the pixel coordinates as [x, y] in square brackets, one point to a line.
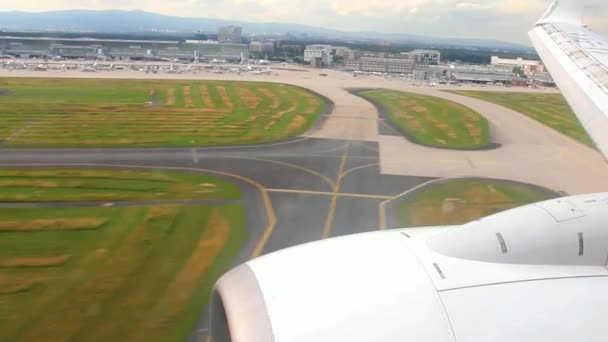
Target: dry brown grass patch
[206, 98]
[419, 109]
[292, 107]
[17, 286]
[170, 97]
[474, 203]
[484, 194]
[276, 117]
[248, 97]
[296, 123]
[185, 283]
[473, 130]
[54, 224]
[225, 97]
[312, 101]
[27, 262]
[28, 183]
[275, 100]
[447, 130]
[254, 118]
[158, 213]
[411, 122]
[77, 109]
[188, 97]
[92, 290]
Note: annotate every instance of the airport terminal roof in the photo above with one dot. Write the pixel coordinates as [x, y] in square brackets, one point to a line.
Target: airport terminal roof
[476, 77]
[95, 40]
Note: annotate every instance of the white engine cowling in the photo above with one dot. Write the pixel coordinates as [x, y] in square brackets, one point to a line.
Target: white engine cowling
[536, 273]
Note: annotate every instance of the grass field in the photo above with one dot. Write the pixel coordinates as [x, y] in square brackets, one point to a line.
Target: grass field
[461, 201]
[549, 109]
[431, 120]
[73, 185]
[95, 112]
[107, 273]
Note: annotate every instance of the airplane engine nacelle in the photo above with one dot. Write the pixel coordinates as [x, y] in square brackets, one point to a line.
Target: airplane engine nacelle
[501, 278]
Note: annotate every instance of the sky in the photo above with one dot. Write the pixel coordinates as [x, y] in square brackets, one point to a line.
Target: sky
[507, 20]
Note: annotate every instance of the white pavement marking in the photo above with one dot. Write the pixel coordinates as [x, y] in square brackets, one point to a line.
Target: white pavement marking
[194, 156]
[355, 169]
[382, 206]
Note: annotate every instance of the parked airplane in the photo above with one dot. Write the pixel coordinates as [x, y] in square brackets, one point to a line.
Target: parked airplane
[266, 71]
[536, 273]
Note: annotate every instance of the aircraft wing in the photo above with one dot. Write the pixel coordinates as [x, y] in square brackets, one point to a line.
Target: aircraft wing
[577, 58]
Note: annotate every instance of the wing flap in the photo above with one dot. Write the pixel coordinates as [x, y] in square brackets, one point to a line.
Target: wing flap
[578, 61]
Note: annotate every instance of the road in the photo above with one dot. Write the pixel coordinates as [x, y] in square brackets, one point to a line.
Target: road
[337, 179]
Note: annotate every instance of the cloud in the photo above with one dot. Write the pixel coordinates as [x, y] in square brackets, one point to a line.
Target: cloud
[491, 19]
[523, 7]
[471, 5]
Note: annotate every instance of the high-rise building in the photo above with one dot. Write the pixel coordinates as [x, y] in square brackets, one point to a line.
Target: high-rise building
[318, 55]
[230, 34]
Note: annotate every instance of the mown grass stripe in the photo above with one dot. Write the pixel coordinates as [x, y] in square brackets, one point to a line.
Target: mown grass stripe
[83, 113]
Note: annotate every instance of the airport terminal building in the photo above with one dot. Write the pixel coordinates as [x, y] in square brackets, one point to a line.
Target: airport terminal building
[403, 63]
[89, 48]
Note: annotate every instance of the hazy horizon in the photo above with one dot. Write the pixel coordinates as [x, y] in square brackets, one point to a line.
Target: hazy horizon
[507, 20]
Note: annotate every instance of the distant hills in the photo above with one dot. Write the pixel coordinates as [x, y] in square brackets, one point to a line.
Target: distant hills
[115, 21]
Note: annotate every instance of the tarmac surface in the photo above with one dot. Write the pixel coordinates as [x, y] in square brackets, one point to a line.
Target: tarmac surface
[316, 188]
[341, 177]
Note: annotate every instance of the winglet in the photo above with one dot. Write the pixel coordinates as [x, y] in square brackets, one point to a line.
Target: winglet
[565, 12]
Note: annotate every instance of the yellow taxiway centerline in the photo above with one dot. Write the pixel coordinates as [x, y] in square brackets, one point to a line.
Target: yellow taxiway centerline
[334, 200]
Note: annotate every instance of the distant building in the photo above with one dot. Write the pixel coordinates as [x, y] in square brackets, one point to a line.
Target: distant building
[481, 73]
[69, 51]
[262, 48]
[120, 49]
[544, 79]
[529, 67]
[230, 34]
[368, 61]
[318, 55]
[341, 51]
[425, 56]
[402, 63]
[422, 73]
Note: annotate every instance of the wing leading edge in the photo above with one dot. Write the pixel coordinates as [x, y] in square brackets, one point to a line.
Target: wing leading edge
[578, 61]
